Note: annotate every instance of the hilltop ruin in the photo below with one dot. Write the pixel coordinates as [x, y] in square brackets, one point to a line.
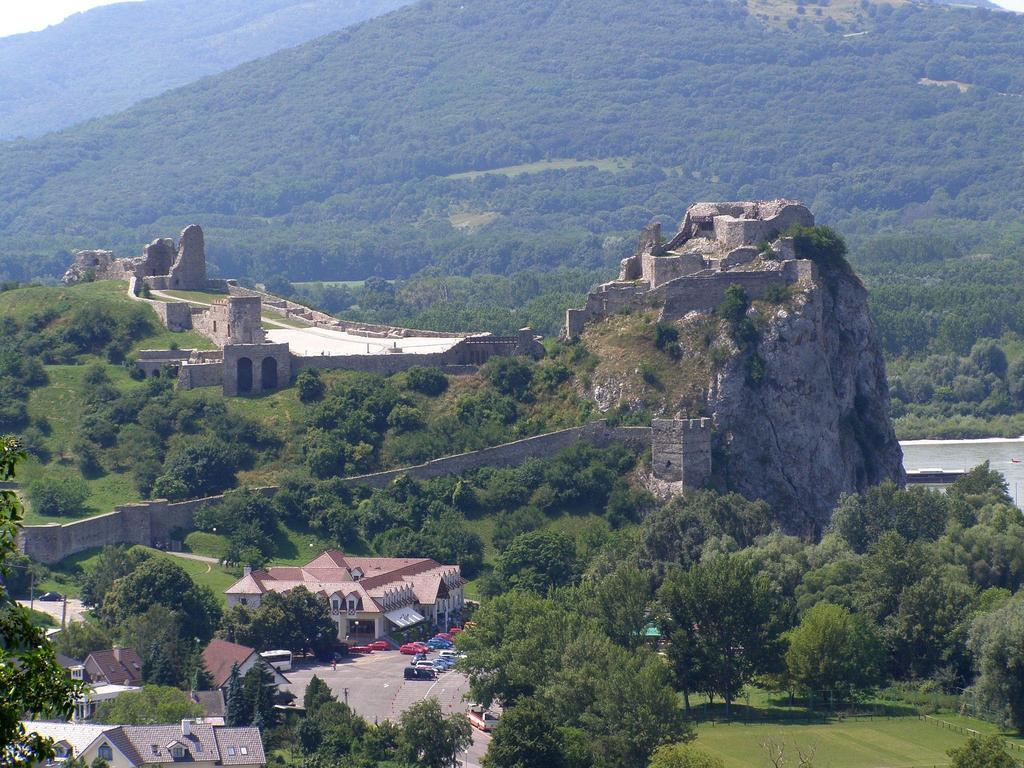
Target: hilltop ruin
[717, 245]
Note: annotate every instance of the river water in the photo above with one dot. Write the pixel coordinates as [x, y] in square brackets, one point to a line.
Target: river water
[965, 454]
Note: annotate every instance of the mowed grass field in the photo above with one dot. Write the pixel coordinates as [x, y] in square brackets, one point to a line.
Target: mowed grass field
[901, 742]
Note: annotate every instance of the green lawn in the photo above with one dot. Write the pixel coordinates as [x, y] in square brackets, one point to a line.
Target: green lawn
[876, 743]
[610, 164]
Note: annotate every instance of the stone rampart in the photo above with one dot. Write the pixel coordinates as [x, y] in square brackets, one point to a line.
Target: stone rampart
[511, 454]
[196, 375]
[702, 293]
[175, 315]
[147, 522]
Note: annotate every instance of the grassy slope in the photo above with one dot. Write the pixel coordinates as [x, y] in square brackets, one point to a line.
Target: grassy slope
[892, 743]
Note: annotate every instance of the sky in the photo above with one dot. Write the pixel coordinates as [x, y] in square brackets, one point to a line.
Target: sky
[32, 15]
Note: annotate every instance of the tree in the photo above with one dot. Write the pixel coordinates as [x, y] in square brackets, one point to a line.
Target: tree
[981, 752]
[431, 739]
[201, 466]
[683, 756]
[426, 381]
[317, 693]
[112, 564]
[537, 561]
[509, 375]
[258, 688]
[834, 650]
[997, 644]
[620, 602]
[236, 707]
[58, 495]
[913, 513]
[152, 705]
[525, 737]
[160, 581]
[80, 638]
[30, 677]
[297, 620]
[156, 668]
[722, 620]
[310, 385]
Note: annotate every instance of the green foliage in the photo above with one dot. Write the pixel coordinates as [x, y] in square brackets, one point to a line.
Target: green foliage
[310, 385]
[152, 705]
[982, 752]
[200, 467]
[30, 677]
[426, 381]
[683, 756]
[525, 736]
[159, 581]
[317, 693]
[430, 738]
[537, 561]
[80, 638]
[723, 622]
[509, 375]
[834, 650]
[297, 620]
[57, 495]
[914, 513]
[822, 245]
[996, 641]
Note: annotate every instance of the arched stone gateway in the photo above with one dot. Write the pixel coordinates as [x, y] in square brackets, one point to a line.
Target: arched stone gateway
[244, 375]
[268, 374]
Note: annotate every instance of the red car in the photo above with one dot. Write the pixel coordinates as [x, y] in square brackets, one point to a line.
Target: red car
[380, 645]
[360, 649]
[444, 636]
[411, 649]
[454, 630]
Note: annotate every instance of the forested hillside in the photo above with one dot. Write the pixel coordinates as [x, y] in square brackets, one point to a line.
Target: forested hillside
[104, 60]
[359, 153]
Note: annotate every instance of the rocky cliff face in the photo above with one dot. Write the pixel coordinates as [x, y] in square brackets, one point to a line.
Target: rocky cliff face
[815, 424]
[800, 412]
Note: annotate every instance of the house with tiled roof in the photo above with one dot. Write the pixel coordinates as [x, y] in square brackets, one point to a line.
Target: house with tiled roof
[118, 666]
[369, 596]
[220, 656]
[129, 746]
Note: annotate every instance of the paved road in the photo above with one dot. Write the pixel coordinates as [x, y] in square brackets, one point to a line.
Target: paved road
[378, 691]
[53, 609]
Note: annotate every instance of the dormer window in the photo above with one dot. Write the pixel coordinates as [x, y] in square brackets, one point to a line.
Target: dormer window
[357, 574]
[106, 752]
[177, 752]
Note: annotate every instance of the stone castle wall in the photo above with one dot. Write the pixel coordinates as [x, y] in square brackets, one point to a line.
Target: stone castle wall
[175, 315]
[196, 375]
[149, 523]
[702, 293]
[680, 452]
[511, 454]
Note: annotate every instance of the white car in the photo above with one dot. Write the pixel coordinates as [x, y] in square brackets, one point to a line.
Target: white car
[448, 653]
[424, 664]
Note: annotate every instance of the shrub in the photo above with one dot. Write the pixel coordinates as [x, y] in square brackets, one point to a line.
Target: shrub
[665, 334]
[509, 375]
[311, 386]
[426, 381]
[58, 494]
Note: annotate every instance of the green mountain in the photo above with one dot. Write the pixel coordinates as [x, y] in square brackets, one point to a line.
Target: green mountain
[104, 60]
[360, 153]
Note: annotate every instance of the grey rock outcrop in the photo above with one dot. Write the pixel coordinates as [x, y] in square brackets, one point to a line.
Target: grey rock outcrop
[817, 424]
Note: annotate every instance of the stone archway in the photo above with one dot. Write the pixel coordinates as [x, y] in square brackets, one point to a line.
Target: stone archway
[268, 374]
[244, 375]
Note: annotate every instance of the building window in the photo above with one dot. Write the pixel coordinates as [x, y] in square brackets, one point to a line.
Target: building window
[177, 753]
[244, 601]
[106, 752]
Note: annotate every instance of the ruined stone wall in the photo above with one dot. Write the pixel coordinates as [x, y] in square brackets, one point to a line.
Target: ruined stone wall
[681, 451]
[235, 320]
[658, 270]
[175, 315]
[195, 375]
[596, 433]
[152, 361]
[733, 232]
[703, 293]
[147, 522]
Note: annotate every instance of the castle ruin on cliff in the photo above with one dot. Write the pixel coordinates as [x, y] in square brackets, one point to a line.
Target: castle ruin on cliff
[717, 245]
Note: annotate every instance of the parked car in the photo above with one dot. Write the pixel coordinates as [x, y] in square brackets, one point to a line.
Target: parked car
[482, 719]
[454, 630]
[50, 597]
[442, 665]
[380, 645]
[412, 673]
[444, 636]
[411, 649]
[360, 649]
[419, 656]
[438, 644]
[424, 664]
[451, 653]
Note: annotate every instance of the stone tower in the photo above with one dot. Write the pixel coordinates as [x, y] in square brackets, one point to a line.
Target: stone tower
[681, 451]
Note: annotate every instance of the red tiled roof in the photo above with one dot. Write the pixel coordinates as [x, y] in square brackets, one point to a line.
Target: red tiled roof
[220, 655]
[105, 666]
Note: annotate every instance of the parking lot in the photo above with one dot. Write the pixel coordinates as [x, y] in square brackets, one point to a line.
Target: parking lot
[374, 686]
